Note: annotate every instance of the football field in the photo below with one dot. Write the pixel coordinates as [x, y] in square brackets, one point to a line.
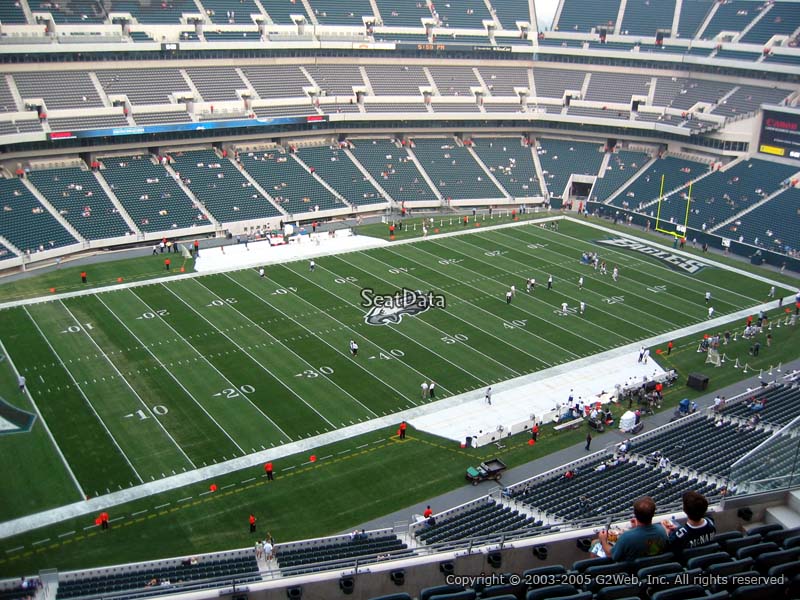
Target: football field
[142, 383]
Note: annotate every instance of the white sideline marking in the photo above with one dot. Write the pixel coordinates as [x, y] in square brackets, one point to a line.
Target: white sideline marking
[49, 517]
[162, 505]
[36, 543]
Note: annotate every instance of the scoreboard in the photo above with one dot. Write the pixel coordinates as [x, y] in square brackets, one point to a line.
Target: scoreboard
[780, 133]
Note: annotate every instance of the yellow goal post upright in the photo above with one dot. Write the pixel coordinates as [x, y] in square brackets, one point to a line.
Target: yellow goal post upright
[680, 229]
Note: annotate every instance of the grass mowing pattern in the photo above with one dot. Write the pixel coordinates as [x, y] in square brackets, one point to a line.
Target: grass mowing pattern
[218, 366]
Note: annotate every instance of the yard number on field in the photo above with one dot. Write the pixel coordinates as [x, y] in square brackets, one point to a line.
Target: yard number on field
[313, 373]
[393, 353]
[614, 300]
[222, 302]
[158, 410]
[77, 328]
[452, 339]
[450, 261]
[349, 279]
[234, 392]
[495, 252]
[283, 291]
[163, 312]
[399, 270]
[517, 323]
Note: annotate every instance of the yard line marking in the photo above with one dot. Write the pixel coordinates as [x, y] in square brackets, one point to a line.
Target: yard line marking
[495, 316]
[626, 291]
[538, 298]
[248, 480]
[534, 315]
[474, 326]
[139, 512]
[361, 446]
[158, 360]
[17, 549]
[63, 535]
[225, 487]
[622, 287]
[324, 457]
[308, 364]
[321, 338]
[91, 406]
[160, 506]
[288, 468]
[116, 519]
[674, 251]
[343, 452]
[184, 499]
[265, 369]
[89, 527]
[36, 543]
[204, 493]
[417, 343]
[210, 364]
[39, 414]
[127, 383]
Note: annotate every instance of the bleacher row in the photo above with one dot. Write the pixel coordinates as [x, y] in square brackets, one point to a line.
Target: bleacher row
[144, 581]
[466, 14]
[750, 21]
[148, 91]
[202, 187]
[714, 571]
[151, 198]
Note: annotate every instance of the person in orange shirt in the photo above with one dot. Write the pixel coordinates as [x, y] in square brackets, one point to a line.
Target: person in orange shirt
[268, 471]
[403, 428]
[252, 523]
[669, 348]
[167, 263]
[428, 512]
[535, 432]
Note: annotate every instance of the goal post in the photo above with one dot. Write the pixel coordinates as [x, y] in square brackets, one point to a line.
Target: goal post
[680, 229]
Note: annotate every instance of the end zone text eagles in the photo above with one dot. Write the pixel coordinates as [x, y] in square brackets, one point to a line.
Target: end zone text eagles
[676, 260]
[389, 308]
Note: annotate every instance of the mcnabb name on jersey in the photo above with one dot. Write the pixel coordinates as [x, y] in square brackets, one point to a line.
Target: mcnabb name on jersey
[675, 260]
[387, 309]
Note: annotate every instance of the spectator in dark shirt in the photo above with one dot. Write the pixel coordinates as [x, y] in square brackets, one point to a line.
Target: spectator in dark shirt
[698, 530]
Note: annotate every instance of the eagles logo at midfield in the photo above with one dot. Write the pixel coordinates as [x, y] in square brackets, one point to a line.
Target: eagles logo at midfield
[388, 309]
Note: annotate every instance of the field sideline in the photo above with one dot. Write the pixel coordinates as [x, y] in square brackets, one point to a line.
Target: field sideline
[142, 383]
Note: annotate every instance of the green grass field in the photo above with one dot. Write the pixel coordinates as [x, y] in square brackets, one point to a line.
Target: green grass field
[139, 384]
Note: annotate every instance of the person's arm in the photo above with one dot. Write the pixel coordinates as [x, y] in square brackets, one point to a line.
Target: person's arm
[603, 537]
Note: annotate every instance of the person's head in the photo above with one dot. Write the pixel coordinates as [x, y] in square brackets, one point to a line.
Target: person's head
[695, 505]
[644, 509]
